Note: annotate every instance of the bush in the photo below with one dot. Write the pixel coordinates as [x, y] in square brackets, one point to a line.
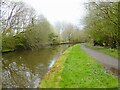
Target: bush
[8, 43]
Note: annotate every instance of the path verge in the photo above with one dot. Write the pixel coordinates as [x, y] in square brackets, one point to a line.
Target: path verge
[108, 61]
[109, 51]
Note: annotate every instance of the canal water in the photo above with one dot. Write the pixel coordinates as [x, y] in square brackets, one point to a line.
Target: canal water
[25, 69]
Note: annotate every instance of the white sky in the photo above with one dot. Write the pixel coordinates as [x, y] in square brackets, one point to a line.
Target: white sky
[70, 11]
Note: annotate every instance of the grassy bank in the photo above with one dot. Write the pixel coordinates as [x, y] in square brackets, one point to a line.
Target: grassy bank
[109, 51]
[76, 69]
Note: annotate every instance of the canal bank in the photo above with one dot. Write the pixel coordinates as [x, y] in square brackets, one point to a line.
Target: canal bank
[77, 69]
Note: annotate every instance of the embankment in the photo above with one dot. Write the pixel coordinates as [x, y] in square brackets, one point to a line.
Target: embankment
[76, 69]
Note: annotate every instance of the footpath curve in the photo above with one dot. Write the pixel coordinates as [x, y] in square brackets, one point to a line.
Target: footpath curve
[109, 62]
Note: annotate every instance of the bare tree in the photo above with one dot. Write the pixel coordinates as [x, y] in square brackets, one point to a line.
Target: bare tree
[15, 15]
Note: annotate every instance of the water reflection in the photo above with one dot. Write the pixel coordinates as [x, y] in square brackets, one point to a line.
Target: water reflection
[24, 69]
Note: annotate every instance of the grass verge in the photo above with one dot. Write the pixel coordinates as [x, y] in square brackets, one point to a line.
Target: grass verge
[76, 69]
[53, 77]
[109, 51]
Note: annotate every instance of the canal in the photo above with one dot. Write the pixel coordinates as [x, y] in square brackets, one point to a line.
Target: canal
[25, 69]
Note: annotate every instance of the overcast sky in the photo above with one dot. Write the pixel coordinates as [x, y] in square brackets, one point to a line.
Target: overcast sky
[59, 10]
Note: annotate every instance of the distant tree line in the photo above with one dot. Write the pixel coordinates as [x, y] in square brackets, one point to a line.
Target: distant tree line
[70, 33]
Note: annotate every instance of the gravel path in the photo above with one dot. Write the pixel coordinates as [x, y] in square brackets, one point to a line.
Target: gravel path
[109, 62]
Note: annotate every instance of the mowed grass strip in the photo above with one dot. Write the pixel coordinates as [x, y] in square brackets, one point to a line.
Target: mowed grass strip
[76, 69]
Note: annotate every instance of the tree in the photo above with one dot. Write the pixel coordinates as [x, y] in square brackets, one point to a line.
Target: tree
[38, 35]
[102, 22]
[70, 33]
[14, 16]
[53, 38]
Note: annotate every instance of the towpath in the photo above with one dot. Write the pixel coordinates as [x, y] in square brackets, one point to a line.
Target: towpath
[109, 62]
